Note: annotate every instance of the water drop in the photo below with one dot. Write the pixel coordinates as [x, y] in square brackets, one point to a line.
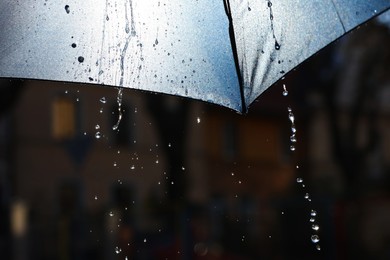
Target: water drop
[144, 240]
[315, 227]
[80, 59]
[293, 139]
[285, 92]
[269, 4]
[277, 45]
[111, 214]
[249, 9]
[299, 180]
[67, 9]
[117, 250]
[96, 197]
[313, 213]
[98, 135]
[198, 120]
[103, 100]
[312, 220]
[97, 127]
[307, 196]
[74, 45]
[315, 239]
[132, 167]
[156, 41]
[114, 164]
[318, 247]
[292, 148]
[101, 110]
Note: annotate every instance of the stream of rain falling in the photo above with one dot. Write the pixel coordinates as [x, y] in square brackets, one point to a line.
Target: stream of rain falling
[119, 102]
[315, 239]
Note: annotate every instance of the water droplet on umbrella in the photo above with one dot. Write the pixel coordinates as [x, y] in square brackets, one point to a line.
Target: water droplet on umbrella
[269, 4]
[315, 238]
[277, 45]
[80, 59]
[67, 9]
[74, 45]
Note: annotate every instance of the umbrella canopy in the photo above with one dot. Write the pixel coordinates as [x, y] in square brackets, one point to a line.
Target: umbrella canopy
[226, 53]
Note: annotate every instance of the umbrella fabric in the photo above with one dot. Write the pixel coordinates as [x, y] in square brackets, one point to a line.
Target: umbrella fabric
[224, 52]
[273, 37]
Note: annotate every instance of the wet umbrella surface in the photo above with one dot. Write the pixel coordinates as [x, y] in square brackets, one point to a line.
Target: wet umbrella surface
[304, 175]
[223, 52]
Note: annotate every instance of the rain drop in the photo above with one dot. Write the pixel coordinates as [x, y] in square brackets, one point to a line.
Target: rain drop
[307, 196]
[80, 59]
[313, 213]
[318, 247]
[67, 9]
[277, 45]
[269, 4]
[299, 180]
[98, 135]
[285, 92]
[97, 127]
[74, 45]
[96, 197]
[111, 214]
[315, 239]
[315, 227]
[198, 120]
[103, 100]
[312, 220]
[292, 148]
[144, 240]
[117, 250]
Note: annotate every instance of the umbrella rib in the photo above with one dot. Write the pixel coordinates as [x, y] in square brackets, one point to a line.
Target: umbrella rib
[235, 55]
[338, 15]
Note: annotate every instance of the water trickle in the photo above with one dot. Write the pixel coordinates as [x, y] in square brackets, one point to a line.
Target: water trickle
[119, 101]
[271, 17]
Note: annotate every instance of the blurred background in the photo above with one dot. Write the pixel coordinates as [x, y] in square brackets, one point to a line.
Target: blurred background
[183, 179]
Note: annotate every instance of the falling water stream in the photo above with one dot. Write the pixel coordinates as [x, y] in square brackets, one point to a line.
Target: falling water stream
[119, 102]
[313, 214]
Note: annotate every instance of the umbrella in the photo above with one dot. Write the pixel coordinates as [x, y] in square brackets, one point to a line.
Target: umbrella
[224, 52]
